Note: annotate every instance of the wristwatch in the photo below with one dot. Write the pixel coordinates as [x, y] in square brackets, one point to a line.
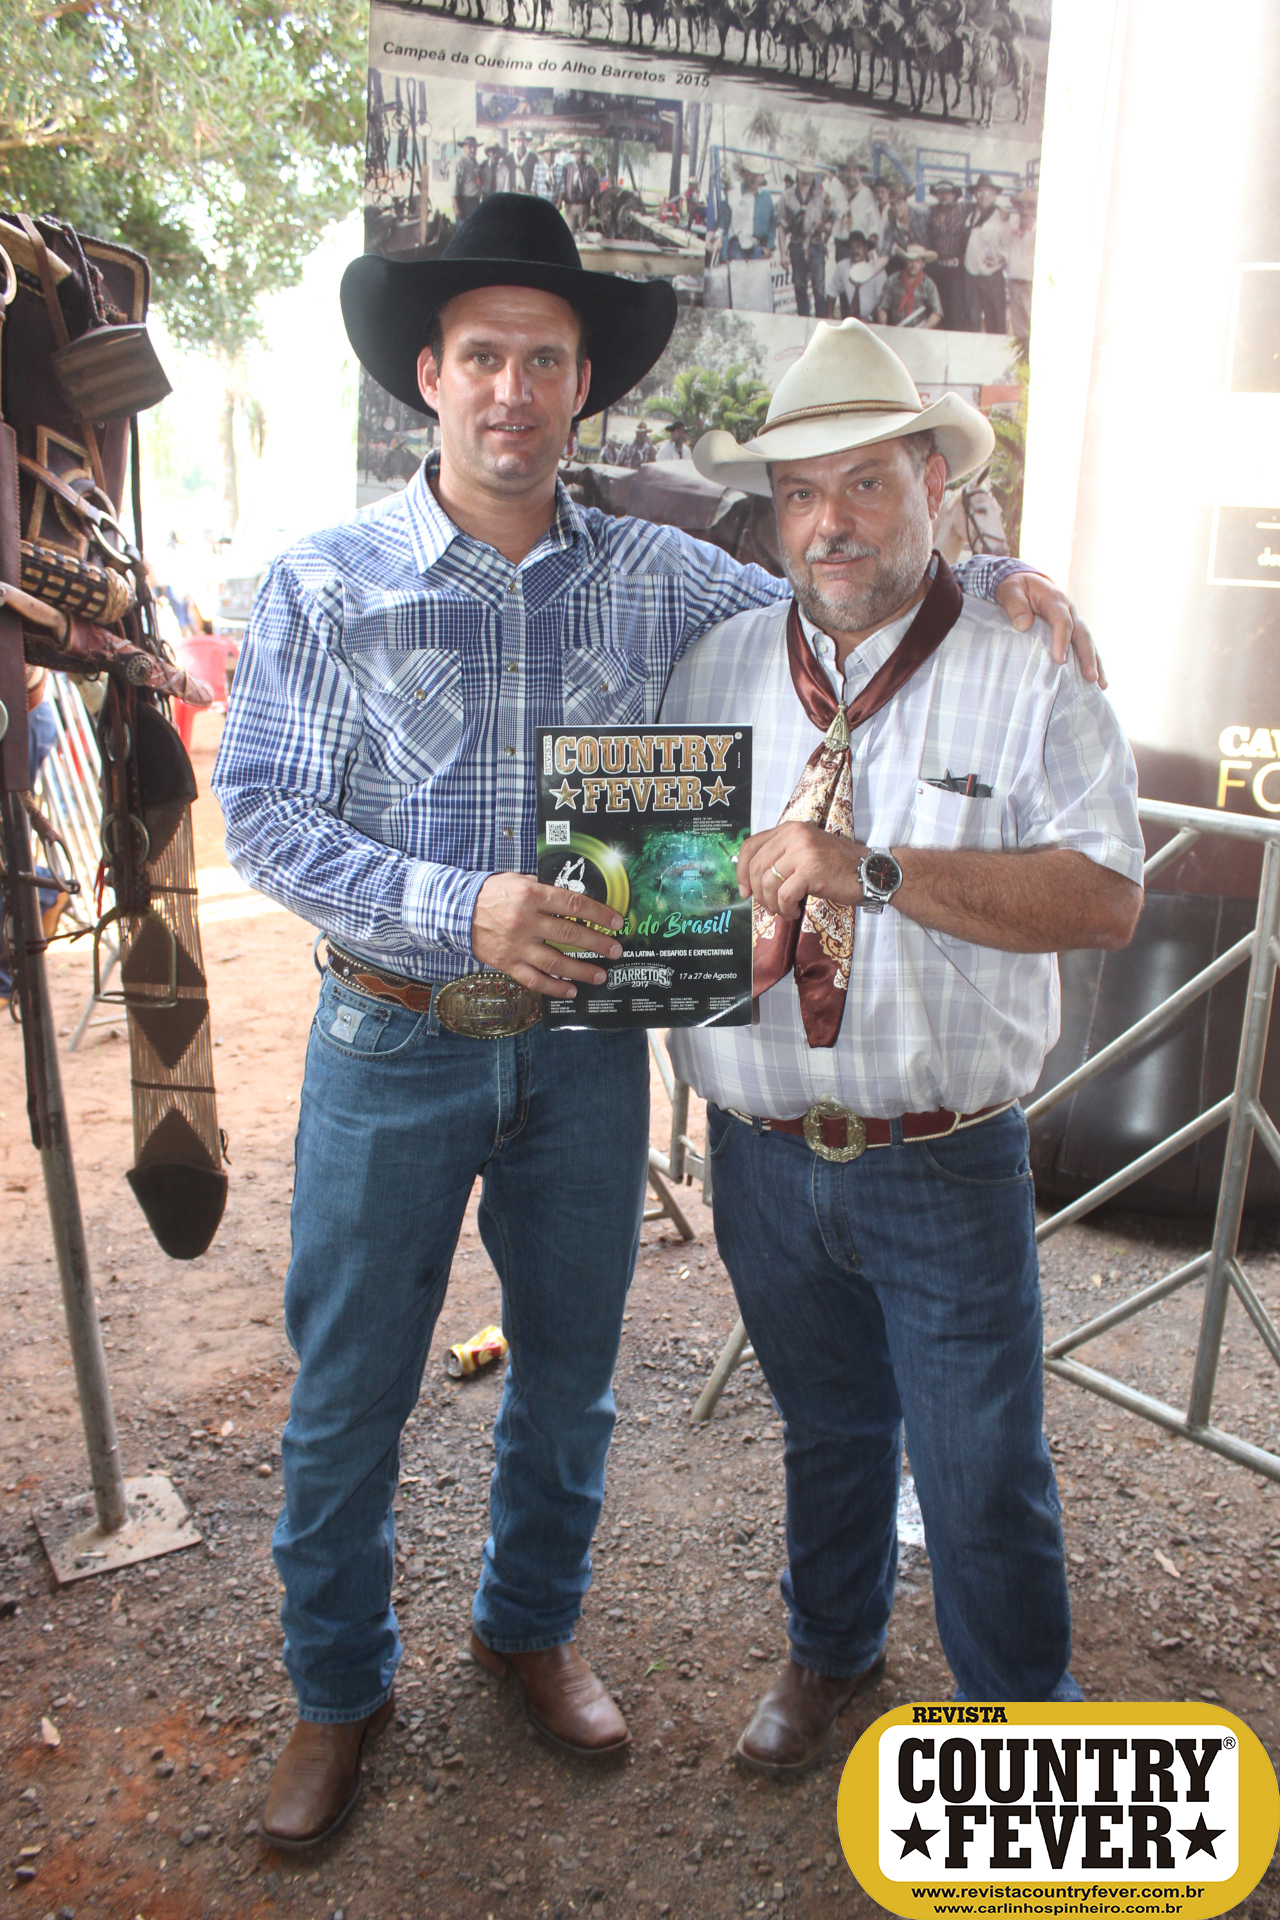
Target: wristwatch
[880, 876]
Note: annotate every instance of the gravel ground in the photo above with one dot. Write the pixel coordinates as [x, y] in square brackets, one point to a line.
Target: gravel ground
[163, 1686]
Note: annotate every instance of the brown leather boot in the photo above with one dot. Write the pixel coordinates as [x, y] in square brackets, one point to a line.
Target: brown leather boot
[563, 1699]
[796, 1718]
[317, 1780]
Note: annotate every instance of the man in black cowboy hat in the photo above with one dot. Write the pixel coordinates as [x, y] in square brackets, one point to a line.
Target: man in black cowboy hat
[986, 251]
[377, 774]
[945, 235]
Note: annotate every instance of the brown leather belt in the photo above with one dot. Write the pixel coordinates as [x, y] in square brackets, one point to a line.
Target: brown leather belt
[480, 1006]
[836, 1134]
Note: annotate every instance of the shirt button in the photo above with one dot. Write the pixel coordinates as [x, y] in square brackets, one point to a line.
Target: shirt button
[508, 833]
[513, 666]
[510, 750]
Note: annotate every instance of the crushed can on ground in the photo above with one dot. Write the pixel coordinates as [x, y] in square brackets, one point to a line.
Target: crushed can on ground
[481, 1350]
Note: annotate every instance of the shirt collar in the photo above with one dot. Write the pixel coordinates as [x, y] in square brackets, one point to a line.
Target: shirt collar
[433, 532]
[865, 659]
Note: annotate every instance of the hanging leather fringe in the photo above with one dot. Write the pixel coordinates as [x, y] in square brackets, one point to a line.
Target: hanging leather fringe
[77, 365]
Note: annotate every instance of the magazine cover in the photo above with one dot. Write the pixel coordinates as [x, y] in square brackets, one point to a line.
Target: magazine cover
[651, 823]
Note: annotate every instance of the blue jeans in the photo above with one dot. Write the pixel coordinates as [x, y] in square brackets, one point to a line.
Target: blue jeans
[397, 1120]
[903, 1287]
[809, 269]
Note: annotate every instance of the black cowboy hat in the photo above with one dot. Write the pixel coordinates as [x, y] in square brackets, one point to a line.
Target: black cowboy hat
[512, 240]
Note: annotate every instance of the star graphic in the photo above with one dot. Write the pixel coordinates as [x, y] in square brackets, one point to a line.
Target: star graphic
[1201, 1838]
[564, 795]
[915, 1838]
[718, 793]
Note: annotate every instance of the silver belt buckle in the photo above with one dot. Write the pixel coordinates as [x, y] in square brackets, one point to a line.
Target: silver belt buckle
[487, 1006]
[855, 1131]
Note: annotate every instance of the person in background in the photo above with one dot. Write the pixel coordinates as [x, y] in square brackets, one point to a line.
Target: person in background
[806, 221]
[865, 210]
[640, 451]
[1021, 262]
[468, 189]
[868, 276]
[498, 175]
[896, 235]
[42, 737]
[988, 231]
[945, 234]
[917, 215]
[578, 189]
[748, 220]
[525, 160]
[910, 297]
[675, 445]
[546, 183]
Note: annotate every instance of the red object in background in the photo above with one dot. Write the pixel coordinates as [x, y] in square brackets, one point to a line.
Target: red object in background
[211, 657]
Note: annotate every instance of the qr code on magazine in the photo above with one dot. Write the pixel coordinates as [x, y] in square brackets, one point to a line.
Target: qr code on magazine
[557, 833]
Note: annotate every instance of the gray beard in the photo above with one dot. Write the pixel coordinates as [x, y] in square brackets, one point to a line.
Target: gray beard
[900, 566]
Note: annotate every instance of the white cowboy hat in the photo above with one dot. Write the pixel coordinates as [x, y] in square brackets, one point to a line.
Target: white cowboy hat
[847, 389]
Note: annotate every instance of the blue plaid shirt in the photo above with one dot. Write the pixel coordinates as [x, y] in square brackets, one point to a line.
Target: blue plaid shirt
[377, 763]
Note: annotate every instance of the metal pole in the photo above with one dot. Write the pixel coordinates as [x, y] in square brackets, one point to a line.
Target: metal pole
[735, 1348]
[679, 1128]
[1235, 1170]
[50, 1133]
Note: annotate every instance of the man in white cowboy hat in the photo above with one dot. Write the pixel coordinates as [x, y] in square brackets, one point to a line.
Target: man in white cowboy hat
[377, 775]
[910, 298]
[938, 807]
[747, 219]
[546, 174]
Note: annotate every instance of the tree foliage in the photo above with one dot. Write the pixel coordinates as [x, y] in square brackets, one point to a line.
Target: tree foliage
[1009, 464]
[734, 400]
[218, 137]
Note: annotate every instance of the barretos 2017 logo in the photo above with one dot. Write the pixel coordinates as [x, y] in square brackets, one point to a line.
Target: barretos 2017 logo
[1108, 1809]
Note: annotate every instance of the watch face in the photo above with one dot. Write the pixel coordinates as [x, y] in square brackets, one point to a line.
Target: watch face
[881, 872]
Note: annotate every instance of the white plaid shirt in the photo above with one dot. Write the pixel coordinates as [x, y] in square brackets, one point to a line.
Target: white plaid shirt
[930, 1021]
[377, 763]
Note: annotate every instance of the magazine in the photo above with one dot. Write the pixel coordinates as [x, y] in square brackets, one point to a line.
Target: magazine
[650, 821]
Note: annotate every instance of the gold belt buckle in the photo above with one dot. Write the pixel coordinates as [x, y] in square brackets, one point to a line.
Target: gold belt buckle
[855, 1131]
[487, 1006]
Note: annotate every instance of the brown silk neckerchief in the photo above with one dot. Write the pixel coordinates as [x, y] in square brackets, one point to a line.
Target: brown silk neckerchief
[819, 946]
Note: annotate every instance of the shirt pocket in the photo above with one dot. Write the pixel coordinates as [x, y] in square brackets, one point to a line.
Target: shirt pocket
[413, 711]
[950, 821]
[603, 687]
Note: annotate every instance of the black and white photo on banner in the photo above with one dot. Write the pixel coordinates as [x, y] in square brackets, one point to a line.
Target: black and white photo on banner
[758, 186]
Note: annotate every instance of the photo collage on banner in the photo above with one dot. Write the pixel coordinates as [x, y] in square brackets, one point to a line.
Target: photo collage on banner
[779, 164]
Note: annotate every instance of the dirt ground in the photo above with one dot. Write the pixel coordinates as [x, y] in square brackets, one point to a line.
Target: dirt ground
[164, 1683]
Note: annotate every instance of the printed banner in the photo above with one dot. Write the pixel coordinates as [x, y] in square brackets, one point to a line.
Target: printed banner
[1103, 1808]
[651, 823]
[778, 165]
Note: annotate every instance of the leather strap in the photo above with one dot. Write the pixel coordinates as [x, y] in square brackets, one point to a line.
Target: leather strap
[58, 321]
[415, 995]
[833, 1127]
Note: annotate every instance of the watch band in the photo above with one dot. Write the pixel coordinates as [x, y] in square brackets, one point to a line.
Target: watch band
[876, 898]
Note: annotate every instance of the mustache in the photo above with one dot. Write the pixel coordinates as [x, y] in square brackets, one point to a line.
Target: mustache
[841, 548]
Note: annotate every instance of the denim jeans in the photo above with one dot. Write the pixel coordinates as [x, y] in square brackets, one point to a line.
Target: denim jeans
[397, 1120]
[809, 269]
[903, 1287]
